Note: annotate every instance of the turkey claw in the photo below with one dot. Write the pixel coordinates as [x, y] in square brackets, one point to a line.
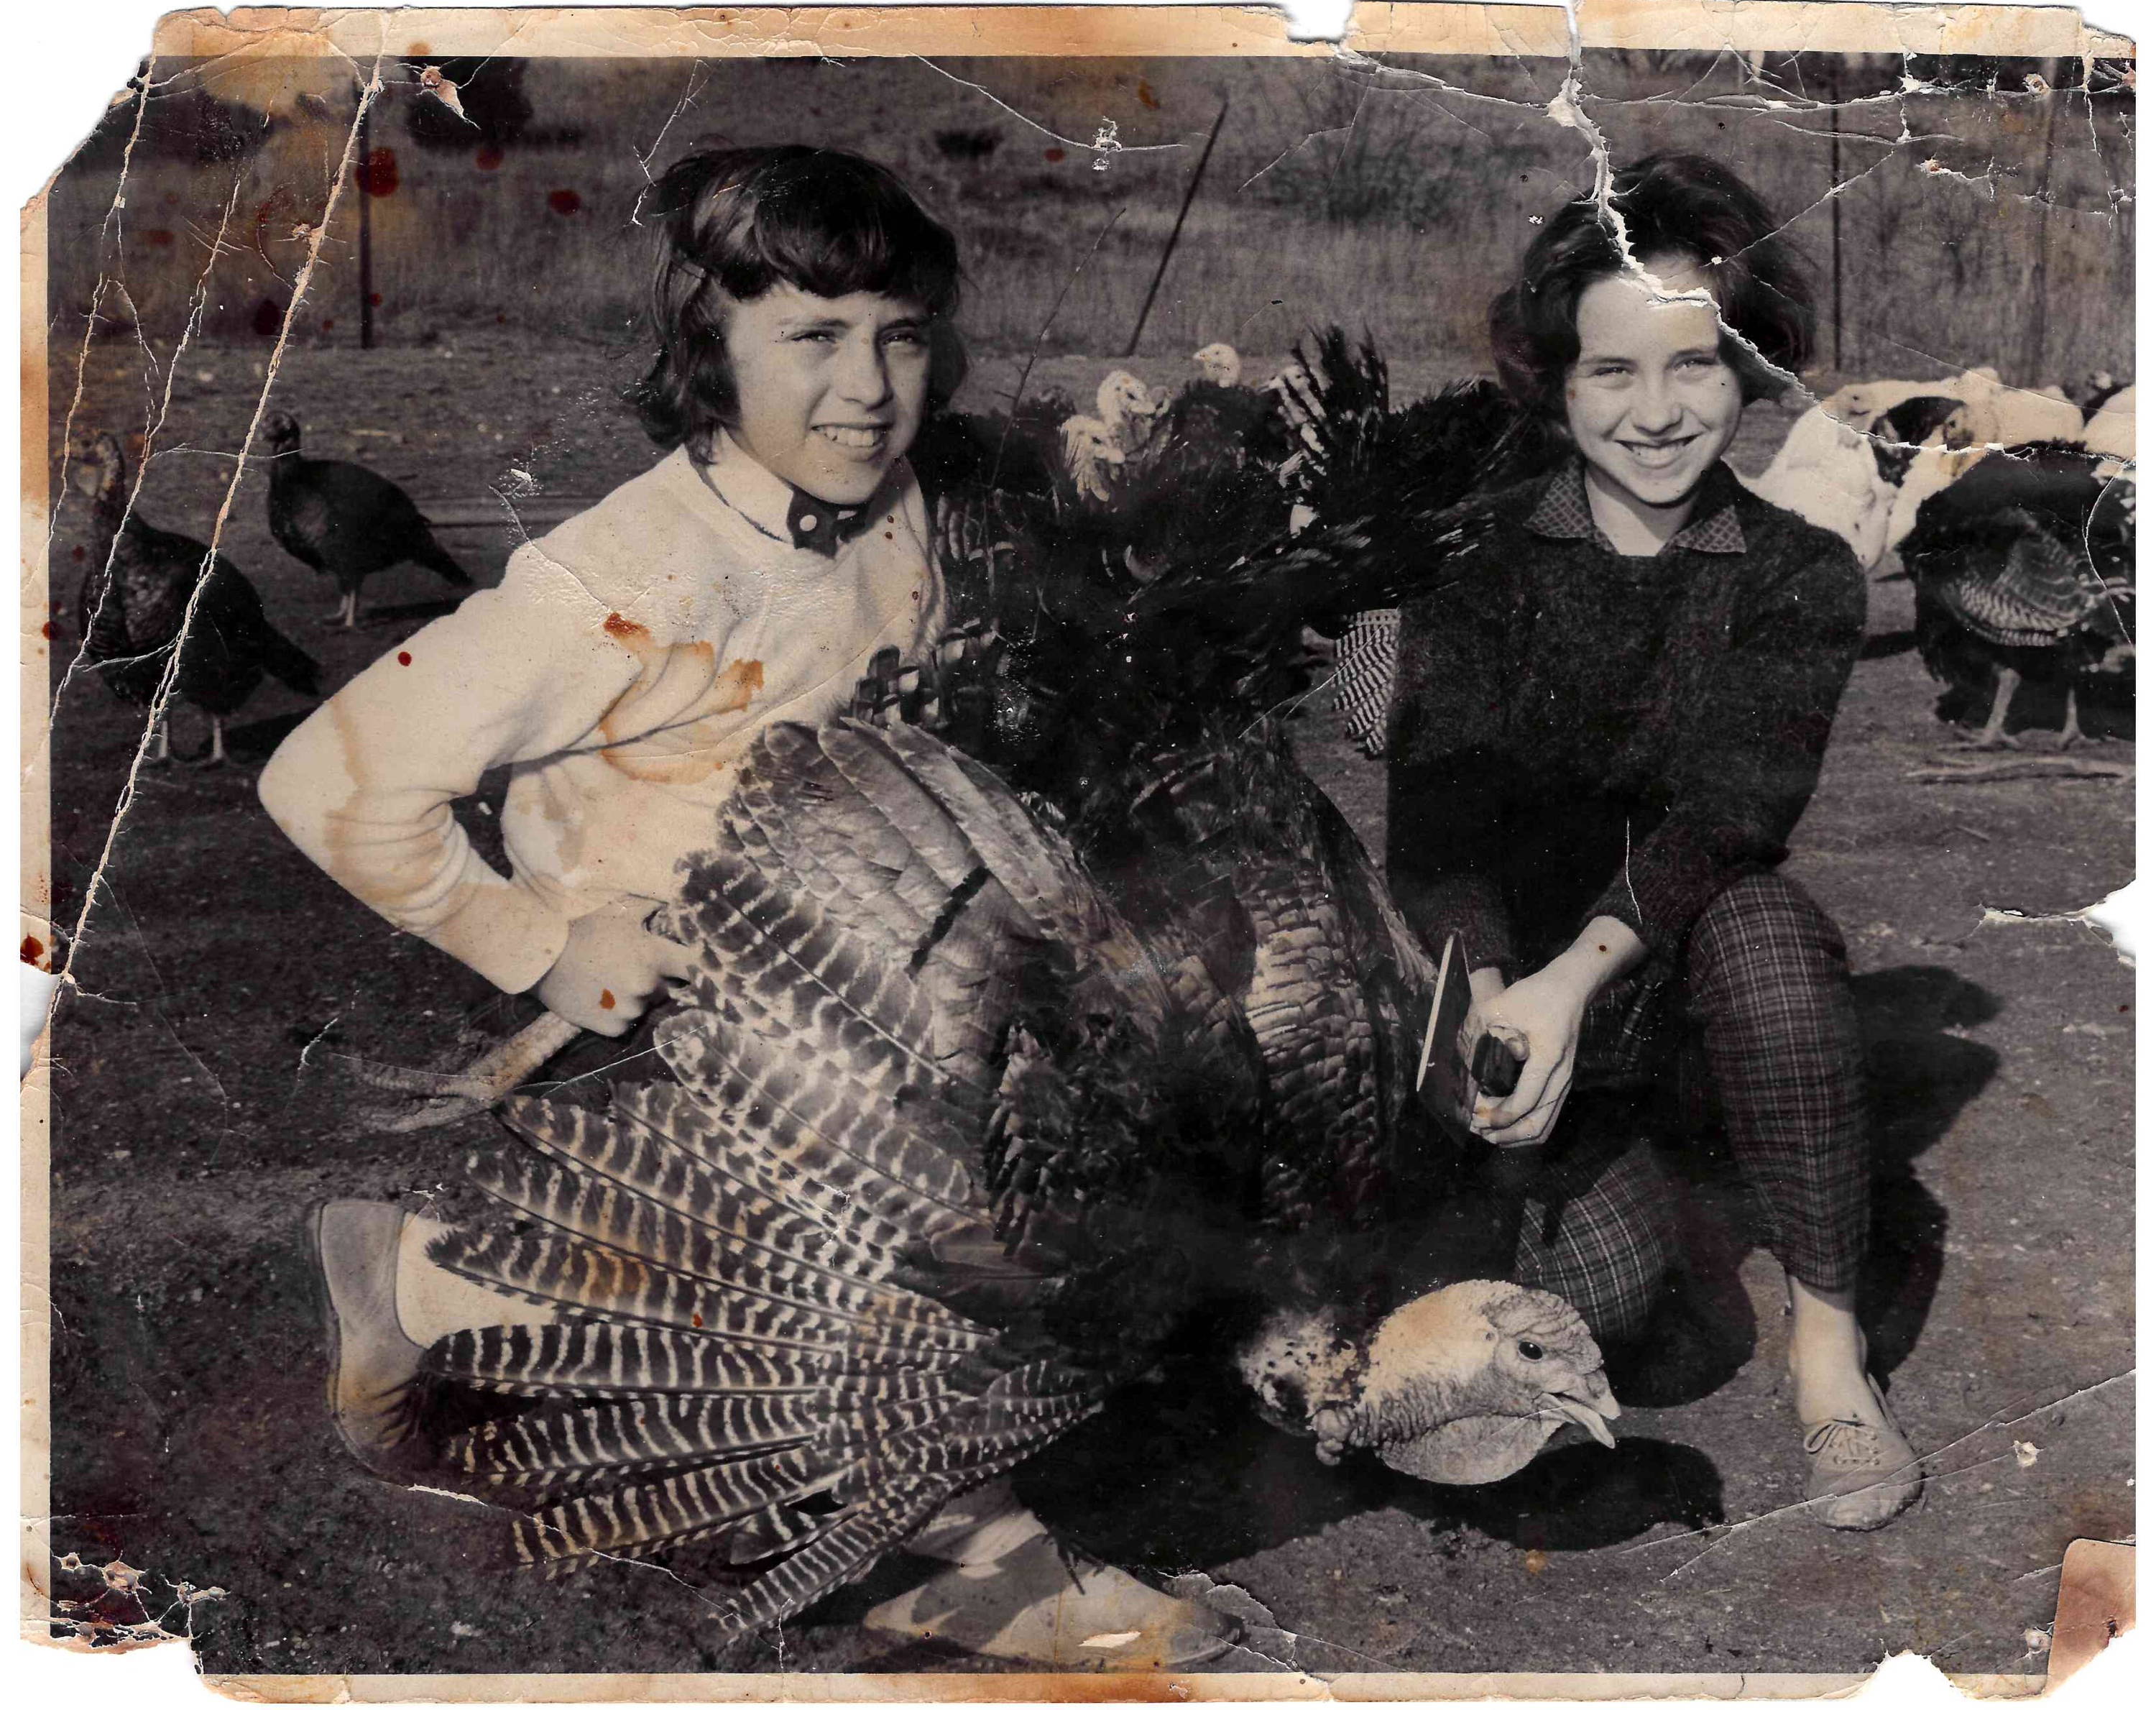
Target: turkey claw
[440, 1098]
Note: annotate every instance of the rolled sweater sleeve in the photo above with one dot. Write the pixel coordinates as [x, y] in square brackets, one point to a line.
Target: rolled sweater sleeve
[1757, 733]
[364, 786]
[1448, 780]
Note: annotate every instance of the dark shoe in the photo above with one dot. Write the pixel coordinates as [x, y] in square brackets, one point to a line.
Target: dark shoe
[1864, 1473]
[1036, 1605]
[375, 1369]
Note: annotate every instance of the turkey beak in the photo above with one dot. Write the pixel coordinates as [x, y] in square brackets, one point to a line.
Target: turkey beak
[1590, 1404]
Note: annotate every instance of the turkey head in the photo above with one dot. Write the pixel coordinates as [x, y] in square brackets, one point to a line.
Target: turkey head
[98, 469]
[1465, 1384]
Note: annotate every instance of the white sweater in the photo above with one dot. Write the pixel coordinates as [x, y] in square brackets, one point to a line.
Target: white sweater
[621, 669]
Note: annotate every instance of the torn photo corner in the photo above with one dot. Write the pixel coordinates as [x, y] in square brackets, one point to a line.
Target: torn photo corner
[764, 750]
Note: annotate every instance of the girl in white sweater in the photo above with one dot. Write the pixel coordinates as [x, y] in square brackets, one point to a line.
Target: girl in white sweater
[621, 670]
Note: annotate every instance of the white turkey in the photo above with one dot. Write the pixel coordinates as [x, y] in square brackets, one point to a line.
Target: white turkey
[1858, 473]
[1220, 363]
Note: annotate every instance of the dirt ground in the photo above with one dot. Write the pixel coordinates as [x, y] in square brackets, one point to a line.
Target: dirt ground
[195, 1118]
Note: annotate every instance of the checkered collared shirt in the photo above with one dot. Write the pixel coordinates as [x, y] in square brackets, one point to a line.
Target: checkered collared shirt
[1564, 514]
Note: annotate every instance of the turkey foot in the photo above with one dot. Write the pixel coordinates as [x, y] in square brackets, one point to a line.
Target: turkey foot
[346, 615]
[1994, 733]
[434, 1097]
[214, 754]
[2070, 733]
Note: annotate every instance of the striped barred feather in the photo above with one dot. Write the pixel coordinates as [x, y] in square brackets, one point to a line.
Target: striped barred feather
[645, 1431]
[825, 1126]
[1039, 873]
[1311, 1019]
[586, 1278]
[609, 1216]
[644, 1160]
[2044, 592]
[734, 1152]
[672, 1508]
[764, 1263]
[598, 1358]
[846, 855]
[771, 1531]
[841, 1552]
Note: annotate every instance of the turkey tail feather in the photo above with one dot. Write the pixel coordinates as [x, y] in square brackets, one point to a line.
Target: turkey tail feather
[763, 1266]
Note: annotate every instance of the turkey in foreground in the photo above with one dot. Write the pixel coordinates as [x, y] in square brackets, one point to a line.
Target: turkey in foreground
[345, 521]
[1009, 1059]
[949, 1147]
[2024, 569]
[133, 609]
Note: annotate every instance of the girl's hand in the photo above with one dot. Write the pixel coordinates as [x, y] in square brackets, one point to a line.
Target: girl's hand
[611, 969]
[1539, 1018]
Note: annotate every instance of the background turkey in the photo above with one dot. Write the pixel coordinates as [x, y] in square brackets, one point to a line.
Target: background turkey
[2024, 572]
[133, 606]
[344, 520]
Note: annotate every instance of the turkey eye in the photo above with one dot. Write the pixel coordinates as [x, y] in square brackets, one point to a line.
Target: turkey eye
[1531, 1350]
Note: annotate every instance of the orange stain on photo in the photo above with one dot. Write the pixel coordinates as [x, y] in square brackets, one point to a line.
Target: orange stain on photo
[743, 681]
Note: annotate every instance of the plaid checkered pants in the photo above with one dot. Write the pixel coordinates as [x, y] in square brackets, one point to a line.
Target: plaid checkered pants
[1752, 1023]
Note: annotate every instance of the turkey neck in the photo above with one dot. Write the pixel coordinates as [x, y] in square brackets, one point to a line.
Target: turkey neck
[108, 512]
[284, 469]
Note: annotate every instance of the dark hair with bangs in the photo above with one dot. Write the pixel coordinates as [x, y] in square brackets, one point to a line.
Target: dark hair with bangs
[734, 223]
[1682, 203]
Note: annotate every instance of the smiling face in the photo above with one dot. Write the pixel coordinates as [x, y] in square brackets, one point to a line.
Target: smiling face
[1650, 402]
[831, 389]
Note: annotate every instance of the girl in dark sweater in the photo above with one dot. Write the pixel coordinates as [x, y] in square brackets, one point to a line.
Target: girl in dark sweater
[1602, 736]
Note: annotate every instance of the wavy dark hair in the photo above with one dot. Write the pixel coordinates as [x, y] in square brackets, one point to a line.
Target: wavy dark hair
[1683, 204]
[735, 222]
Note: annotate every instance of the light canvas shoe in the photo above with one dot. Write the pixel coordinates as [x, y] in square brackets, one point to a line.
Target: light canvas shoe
[374, 1389]
[1863, 1471]
[1036, 1604]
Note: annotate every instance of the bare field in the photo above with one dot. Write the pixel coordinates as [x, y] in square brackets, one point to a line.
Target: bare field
[195, 1119]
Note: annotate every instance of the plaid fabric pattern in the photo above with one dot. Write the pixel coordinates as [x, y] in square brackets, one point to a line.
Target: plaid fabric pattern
[1596, 1228]
[1754, 1024]
[1362, 686]
[1564, 515]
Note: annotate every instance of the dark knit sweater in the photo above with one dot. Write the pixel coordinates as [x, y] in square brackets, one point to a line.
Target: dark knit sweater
[1576, 733]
